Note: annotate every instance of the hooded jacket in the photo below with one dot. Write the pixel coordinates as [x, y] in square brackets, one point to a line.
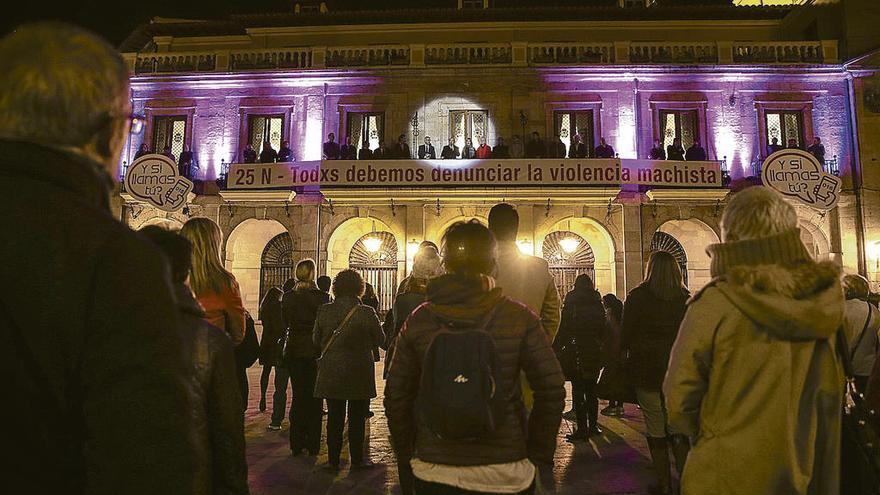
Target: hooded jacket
[583, 323]
[754, 376]
[521, 346]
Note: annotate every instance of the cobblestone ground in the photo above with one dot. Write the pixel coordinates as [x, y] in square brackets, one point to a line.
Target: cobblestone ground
[615, 463]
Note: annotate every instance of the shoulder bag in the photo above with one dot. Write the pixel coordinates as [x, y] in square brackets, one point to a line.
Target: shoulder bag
[336, 332]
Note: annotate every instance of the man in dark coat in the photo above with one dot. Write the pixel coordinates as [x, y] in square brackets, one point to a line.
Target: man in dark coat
[657, 152]
[426, 151]
[331, 148]
[501, 150]
[675, 151]
[450, 151]
[268, 154]
[382, 152]
[817, 149]
[401, 149]
[285, 154]
[348, 151]
[249, 155]
[365, 153]
[604, 150]
[217, 416]
[187, 165]
[696, 153]
[91, 349]
[535, 148]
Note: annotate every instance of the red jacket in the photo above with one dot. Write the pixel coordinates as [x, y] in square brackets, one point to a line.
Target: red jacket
[225, 311]
[484, 151]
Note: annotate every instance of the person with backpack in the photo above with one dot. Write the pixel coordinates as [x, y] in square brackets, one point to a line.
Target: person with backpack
[861, 321]
[453, 397]
[346, 331]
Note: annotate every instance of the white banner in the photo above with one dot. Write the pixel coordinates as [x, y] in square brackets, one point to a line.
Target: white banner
[472, 173]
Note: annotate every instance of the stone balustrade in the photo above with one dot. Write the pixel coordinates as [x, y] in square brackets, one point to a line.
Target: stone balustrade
[516, 54]
[468, 54]
[671, 52]
[779, 52]
[370, 56]
[570, 53]
[279, 58]
[151, 63]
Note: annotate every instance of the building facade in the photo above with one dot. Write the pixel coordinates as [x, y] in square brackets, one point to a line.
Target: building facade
[733, 78]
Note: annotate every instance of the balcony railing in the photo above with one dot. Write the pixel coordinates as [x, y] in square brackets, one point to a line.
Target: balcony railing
[458, 54]
[779, 52]
[490, 54]
[371, 56]
[571, 53]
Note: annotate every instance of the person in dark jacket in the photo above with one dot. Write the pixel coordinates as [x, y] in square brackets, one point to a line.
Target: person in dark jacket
[604, 150]
[578, 149]
[369, 298]
[186, 164]
[401, 149]
[535, 147]
[774, 146]
[144, 149]
[346, 331]
[817, 149]
[324, 283]
[331, 148]
[695, 153]
[611, 345]
[675, 151]
[412, 292]
[426, 151]
[558, 147]
[465, 297]
[81, 287]
[285, 154]
[270, 345]
[249, 155]
[468, 151]
[364, 153]
[583, 328]
[450, 151]
[300, 308]
[348, 150]
[221, 466]
[657, 152]
[652, 314]
[382, 152]
[268, 154]
[501, 150]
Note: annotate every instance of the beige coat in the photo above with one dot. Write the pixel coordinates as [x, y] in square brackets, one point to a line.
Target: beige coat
[527, 279]
[754, 379]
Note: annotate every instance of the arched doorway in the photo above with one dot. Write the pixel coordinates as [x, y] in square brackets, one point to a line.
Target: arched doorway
[661, 241]
[276, 263]
[595, 236]
[692, 236]
[568, 255]
[244, 249]
[374, 256]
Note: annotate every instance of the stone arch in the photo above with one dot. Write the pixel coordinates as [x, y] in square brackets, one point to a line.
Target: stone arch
[347, 233]
[815, 240]
[694, 236]
[437, 236]
[243, 255]
[600, 241]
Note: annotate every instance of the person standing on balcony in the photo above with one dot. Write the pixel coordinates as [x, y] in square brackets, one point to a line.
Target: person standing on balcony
[792, 144]
[450, 151]
[774, 146]
[484, 151]
[516, 147]
[535, 148]
[696, 153]
[331, 148]
[144, 149]
[817, 149]
[577, 149]
[675, 151]
[657, 152]
[604, 150]
[186, 165]
[285, 154]
[364, 153]
[92, 352]
[558, 148]
[468, 152]
[249, 155]
[501, 150]
[166, 151]
[268, 154]
[401, 149]
[382, 152]
[348, 151]
[426, 151]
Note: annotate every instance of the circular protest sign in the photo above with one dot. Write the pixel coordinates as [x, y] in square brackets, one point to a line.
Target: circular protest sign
[154, 179]
[798, 174]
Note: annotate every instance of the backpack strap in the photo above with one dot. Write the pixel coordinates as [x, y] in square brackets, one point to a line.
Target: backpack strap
[337, 331]
[855, 347]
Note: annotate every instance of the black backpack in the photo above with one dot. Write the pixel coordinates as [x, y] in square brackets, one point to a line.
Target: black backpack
[457, 388]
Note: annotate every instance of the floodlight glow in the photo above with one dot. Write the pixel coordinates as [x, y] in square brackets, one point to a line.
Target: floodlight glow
[525, 247]
[372, 244]
[569, 244]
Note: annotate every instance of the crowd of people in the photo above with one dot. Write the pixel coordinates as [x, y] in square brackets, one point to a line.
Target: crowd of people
[127, 350]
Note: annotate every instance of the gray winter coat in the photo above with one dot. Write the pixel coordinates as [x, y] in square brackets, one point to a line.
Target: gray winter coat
[346, 370]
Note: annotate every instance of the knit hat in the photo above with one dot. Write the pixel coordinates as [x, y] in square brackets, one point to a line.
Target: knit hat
[781, 249]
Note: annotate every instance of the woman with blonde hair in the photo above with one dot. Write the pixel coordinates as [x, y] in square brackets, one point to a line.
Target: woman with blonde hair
[215, 288]
[300, 308]
[651, 316]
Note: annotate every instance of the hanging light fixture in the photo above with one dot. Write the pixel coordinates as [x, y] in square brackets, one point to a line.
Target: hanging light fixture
[373, 243]
[569, 244]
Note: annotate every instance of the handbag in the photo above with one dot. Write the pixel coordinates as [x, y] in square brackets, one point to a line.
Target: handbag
[248, 351]
[860, 442]
[614, 384]
[567, 355]
[336, 332]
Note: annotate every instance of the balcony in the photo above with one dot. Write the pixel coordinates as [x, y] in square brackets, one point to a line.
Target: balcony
[556, 54]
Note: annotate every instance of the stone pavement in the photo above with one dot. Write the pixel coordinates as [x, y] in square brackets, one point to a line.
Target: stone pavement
[615, 463]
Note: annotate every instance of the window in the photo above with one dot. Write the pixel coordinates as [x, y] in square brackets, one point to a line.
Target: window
[366, 127]
[471, 124]
[679, 124]
[262, 128]
[568, 255]
[784, 125]
[569, 123]
[169, 131]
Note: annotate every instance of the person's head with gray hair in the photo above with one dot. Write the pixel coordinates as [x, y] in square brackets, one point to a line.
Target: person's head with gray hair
[66, 88]
[756, 212]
